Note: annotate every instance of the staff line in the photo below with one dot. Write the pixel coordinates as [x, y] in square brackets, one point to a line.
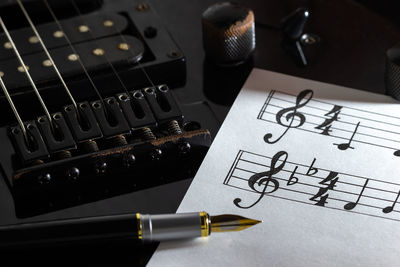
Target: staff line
[305, 193]
[231, 170]
[299, 164]
[346, 122]
[316, 186]
[372, 112]
[339, 129]
[318, 177]
[335, 136]
[266, 103]
[308, 203]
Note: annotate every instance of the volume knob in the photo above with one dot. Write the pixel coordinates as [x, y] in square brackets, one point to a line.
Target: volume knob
[392, 72]
[228, 33]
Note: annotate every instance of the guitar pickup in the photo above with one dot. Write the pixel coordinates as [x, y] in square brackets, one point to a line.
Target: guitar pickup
[32, 149]
[110, 118]
[120, 23]
[163, 104]
[83, 125]
[57, 136]
[136, 110]
[70, 68]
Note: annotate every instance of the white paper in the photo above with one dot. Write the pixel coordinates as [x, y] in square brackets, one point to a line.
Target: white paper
[296, 231]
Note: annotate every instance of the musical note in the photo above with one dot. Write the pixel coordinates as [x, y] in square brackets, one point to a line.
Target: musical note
[265, 178]
[345, 146]
[290, 114]
[297, 182]
[389, 209]
[326, 118]
[352, 205]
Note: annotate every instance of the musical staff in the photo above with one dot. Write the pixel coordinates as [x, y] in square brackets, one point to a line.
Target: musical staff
[278, 177]
[354, 126]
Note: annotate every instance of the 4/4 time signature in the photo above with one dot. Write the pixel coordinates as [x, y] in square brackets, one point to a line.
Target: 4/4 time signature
[344, 123]
[278, 177]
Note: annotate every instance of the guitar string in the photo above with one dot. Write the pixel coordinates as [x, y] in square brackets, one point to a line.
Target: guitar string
[48, 55]
[14, 109]
[53, 15]
[5, 90]
[125, 41]
[70, 43]
[26, 14]
[26, 72]
[97, 44]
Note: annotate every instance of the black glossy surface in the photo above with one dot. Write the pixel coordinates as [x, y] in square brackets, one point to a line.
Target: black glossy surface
[352, 53]
[70, 231]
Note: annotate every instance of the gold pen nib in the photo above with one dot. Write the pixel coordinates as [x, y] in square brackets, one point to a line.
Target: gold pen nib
[231, 223]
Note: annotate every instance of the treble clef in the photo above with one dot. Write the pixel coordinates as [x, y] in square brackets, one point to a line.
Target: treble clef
[265, 179]
[290, 114]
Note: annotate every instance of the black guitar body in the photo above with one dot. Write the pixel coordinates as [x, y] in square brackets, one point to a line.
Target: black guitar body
[142, 104]
[122, 134]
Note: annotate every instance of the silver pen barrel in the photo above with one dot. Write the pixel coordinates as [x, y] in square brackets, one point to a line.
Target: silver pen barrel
[173, 226]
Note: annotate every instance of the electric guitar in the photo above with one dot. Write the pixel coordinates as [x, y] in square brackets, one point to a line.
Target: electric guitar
[102, 112]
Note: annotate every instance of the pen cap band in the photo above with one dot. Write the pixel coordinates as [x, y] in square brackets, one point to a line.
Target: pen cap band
[170, 226]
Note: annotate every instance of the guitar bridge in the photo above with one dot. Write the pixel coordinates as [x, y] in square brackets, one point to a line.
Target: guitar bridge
[144, 140]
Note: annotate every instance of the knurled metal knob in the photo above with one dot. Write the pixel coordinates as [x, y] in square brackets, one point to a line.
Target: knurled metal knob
[228, 33]
[392, 72]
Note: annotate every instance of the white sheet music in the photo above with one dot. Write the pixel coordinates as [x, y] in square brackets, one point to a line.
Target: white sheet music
[318, 163]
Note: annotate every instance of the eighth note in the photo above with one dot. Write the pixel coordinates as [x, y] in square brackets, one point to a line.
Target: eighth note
[389, 209]
[345, 146]
[352, 205]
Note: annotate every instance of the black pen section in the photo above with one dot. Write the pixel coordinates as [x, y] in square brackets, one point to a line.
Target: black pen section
[64, 232]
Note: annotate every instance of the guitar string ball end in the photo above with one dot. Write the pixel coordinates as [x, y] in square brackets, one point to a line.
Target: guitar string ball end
[228, 33]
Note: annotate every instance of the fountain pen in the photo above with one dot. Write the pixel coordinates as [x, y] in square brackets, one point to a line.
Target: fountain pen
[145, 227]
